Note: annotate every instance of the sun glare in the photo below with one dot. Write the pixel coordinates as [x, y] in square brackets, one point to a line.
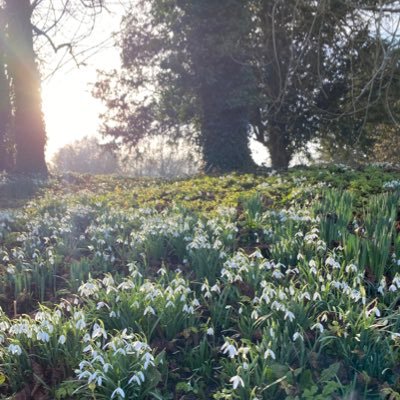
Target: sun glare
[69, 109]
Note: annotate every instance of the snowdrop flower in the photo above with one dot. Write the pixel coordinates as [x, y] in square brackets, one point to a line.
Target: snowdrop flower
[15, 349]
[148, 360]
[318, 326]
[229, 349]
[43, 336]
[297, 335]
[88, 289]
[269, 353]
[277, 274]
[289, 315]
[210, 331]
[118, 391]
[316, 296]
[150, 310]
[188, 309]
[216, 289]
[101, 304]
[351, 268]
[98, 331]
[80, 324]
[138, 378]
[62, 339]
[236, 381]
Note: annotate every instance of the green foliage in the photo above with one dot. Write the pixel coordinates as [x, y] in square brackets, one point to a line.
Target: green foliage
[231, 287]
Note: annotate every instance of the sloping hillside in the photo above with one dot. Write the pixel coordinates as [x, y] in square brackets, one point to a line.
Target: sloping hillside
[269, 286]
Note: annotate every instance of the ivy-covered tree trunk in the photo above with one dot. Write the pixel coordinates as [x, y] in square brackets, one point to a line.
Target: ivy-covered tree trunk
[5, 156]
[278, 146]
[29, 129]
[224, 84]
[225, 122]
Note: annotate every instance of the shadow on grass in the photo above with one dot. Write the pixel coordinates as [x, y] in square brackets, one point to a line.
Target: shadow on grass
[17, 189]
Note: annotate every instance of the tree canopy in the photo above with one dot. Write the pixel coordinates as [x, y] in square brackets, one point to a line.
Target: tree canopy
[284, 72]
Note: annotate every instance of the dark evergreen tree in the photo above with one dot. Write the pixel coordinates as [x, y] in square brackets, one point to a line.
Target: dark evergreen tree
[191, 52]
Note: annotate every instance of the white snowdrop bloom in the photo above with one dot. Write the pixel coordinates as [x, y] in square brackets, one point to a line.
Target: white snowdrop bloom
[102, 304]
[210, 331]
[148, 310]
[98, 331]
[271, 333]
[88, 289]
[138, 378]
[62, 339]
[392, 288]
[216, 289]
[230, 349]
[269, 354]
[80, 324]
[15, 349]
[305, 295]
[395, 335]
[318, 326]
[351, 268]
[195, 303]
[316, 296]
[297, 335]
[289, 315]
[86, 338]
[188, 309]
[88, 348]
[43, 336]
[139, 346]
[205, 287]
[126, 285]
[277, 274]
[106, 367]
[236, 381]
[4, 325]
[148, 360]
[254, 314]
[99, 358]
[83, 364]
[330, 261]
[118, 392]
[169, 304]
[11, 269]
[120, 351]
[277, 306]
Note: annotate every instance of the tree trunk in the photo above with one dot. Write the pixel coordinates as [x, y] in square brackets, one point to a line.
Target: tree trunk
[29, 129]
[278, 147]
[225, 117]
[225, 141]
[5, 107]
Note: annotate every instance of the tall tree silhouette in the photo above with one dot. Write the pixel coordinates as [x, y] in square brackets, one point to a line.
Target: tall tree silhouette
[5, 163]
[29, 129]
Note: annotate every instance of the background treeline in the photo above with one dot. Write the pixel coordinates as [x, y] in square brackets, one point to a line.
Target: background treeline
[284, 72]
[217, 73]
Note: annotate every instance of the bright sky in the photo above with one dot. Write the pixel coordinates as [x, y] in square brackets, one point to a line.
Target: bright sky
[69, 109]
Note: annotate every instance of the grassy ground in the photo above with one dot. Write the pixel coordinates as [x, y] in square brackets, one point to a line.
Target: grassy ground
[268, 286]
